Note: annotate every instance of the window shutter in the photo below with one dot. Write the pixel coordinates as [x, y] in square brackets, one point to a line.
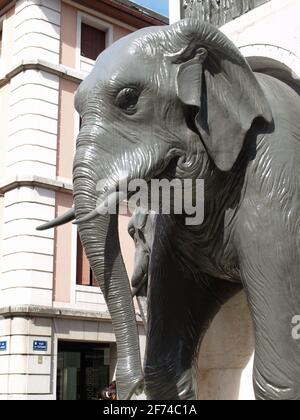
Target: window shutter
[93, 41]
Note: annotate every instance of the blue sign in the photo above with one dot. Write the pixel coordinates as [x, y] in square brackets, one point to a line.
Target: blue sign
[3, 345]
[40, 346]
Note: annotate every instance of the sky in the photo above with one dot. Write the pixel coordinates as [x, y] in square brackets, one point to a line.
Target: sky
[159, 6]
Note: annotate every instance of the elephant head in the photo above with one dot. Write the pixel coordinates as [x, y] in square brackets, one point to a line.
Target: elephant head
[180, 96]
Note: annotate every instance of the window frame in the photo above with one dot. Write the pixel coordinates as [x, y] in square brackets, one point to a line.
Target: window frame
[81, 254]
[97, 24]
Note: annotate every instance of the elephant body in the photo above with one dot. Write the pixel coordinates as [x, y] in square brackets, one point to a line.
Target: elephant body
[180, 102]
[250, 241]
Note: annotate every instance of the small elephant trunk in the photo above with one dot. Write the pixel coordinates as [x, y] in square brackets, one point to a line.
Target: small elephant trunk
[101, 243]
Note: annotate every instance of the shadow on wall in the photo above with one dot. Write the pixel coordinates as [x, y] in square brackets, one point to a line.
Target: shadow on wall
[225, 361]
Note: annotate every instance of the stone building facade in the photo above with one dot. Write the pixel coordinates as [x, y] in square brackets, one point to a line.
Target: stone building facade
[56, 337]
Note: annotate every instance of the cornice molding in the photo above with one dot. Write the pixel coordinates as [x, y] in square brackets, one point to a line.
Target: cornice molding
[37, 182]
[56, 312]
[56, 185]
[59, 70]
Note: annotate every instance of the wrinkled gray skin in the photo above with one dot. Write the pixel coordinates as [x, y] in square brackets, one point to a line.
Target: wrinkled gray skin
[181, 100]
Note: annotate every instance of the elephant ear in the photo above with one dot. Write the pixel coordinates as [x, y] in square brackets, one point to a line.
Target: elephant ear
[229, 99]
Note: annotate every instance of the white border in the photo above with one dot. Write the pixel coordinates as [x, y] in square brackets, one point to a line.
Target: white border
[175, 11]
[96, 23]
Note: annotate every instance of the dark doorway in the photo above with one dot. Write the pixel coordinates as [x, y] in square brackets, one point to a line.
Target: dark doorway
[82, 370]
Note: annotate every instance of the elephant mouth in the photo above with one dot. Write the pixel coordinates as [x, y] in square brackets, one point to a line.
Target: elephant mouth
[107, 205]
[109, 201]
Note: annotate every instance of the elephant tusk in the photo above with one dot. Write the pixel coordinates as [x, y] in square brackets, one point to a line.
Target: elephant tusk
[106, 207]
[61, 220]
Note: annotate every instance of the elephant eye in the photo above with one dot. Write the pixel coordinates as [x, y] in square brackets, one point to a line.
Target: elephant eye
[127, 100]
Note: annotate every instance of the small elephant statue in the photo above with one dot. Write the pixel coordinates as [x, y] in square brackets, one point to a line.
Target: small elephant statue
[180, 101]
[141, 229]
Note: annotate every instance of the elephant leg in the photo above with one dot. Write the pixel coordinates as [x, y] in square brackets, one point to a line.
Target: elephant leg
[181, 305]
[268, 245]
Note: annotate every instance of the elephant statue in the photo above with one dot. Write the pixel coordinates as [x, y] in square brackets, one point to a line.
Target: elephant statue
[141, 229]
[181, 102]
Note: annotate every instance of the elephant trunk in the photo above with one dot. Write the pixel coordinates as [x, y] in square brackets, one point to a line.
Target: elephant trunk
[101, 243]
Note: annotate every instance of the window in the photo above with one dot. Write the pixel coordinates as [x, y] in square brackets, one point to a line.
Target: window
[93, 36]
[93, 41]
[84, 275]
[82, 370]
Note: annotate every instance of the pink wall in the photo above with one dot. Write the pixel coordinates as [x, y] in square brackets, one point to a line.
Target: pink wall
[119, 32]
[68, 35]
[63, 238]
[66, 129]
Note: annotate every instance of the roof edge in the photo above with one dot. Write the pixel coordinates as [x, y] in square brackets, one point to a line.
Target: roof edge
[131, 12]
[138, 15]
[144, 10]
